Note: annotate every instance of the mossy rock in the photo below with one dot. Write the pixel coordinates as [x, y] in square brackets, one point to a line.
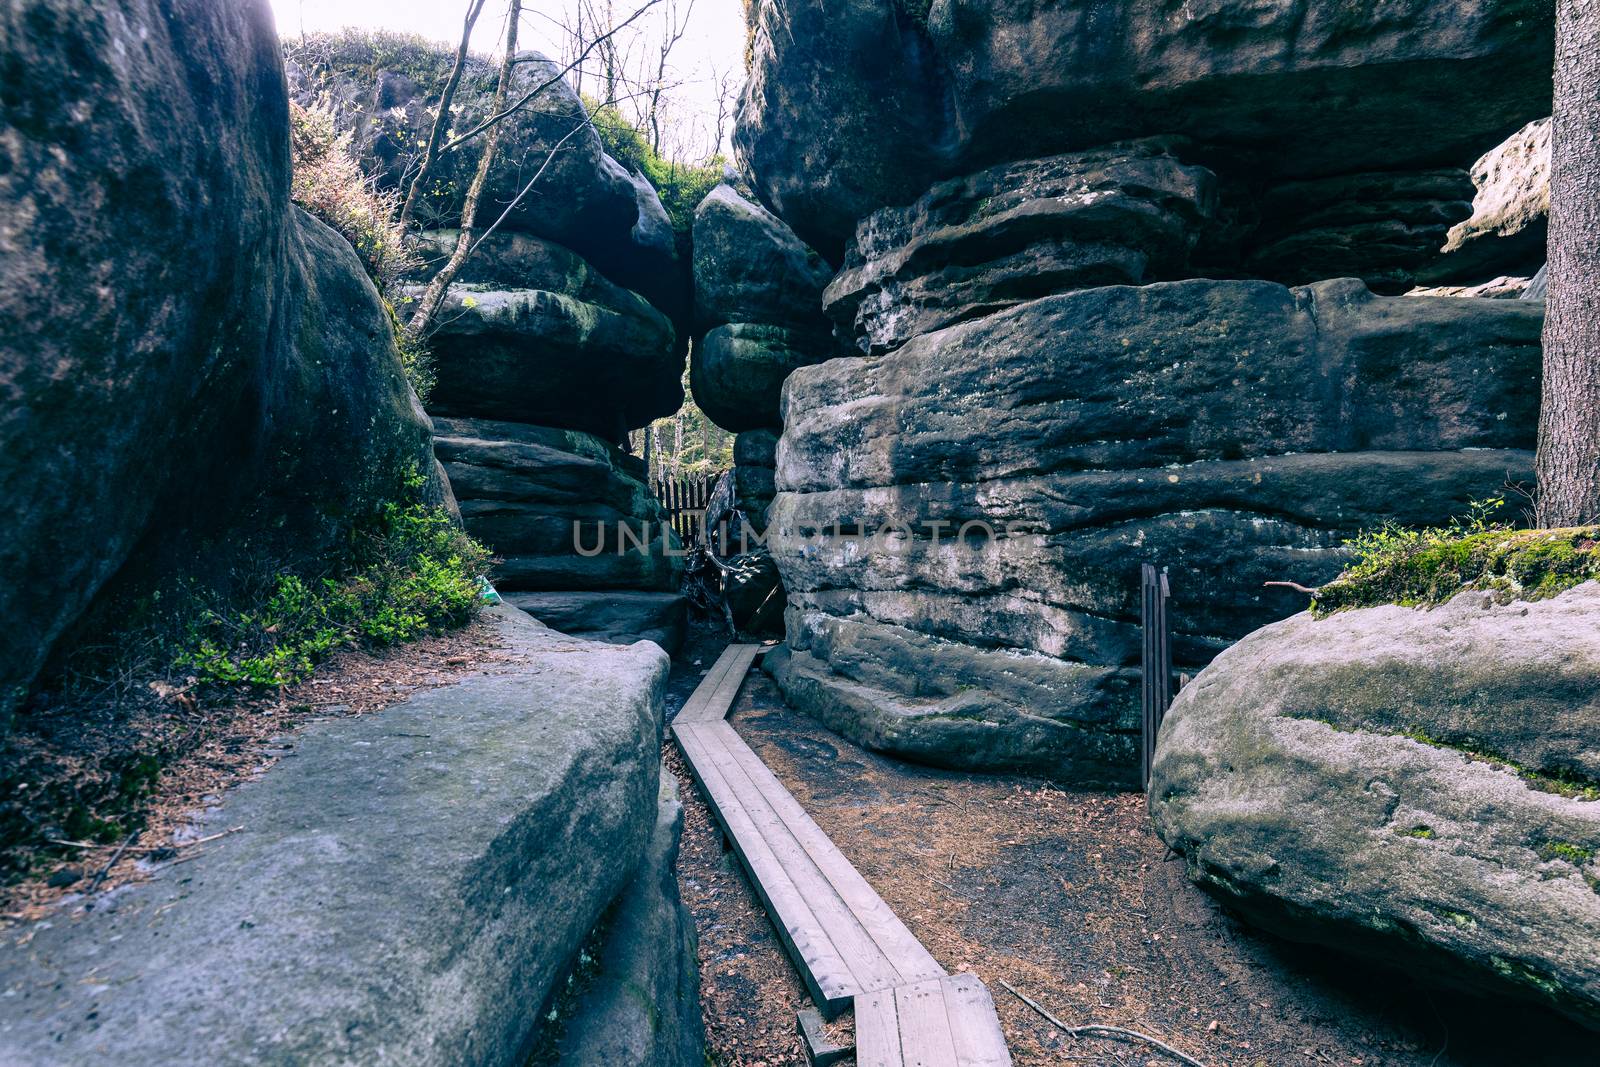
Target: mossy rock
[1508, 564]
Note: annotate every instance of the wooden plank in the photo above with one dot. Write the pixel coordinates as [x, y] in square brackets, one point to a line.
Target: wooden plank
[878, 1030]
[715, 694]
[694, 708]
[826, 974]
[869, 967]
[974, 1024]
[925, 1039]
[911, 961]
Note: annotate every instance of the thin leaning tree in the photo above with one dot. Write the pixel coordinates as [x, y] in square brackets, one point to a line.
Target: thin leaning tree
[489, 130]
[1569, 413]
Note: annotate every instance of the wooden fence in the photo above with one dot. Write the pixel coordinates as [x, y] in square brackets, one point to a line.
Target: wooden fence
[684, 497]
[1155, 662]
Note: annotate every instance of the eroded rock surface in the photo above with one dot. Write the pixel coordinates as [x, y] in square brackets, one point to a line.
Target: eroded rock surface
[531, 332]
[1510, 210]
[758, 301]
[1014, 471]
[851, 106]
[563, 510]
[978, 244]
[1421, 786]
[409, 887]
[643, 1006]
[154, 280]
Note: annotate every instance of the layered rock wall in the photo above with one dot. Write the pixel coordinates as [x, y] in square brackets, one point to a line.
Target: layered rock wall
[565, 329]
[1080, 353]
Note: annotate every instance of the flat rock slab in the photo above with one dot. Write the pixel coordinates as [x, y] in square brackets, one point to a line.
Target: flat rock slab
[407, 888]
[616, 617]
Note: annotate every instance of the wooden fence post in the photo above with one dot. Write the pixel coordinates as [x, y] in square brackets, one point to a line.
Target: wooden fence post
[1155, 664]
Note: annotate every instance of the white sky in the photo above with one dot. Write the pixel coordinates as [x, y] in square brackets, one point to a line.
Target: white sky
[713, 42]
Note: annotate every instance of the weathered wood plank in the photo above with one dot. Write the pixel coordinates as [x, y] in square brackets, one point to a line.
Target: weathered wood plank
[878, 1030]
[925, 1039]
[869, 967]
[715, 694]
[820, 963]
[974, 1024]
[910, 960]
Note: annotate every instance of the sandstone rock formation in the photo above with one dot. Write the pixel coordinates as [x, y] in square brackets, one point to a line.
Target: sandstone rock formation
[1016, 194]
[531, 332]
[757, 299]
[974, 245]
[154, 279]
[851, 106]
[1510, 212]
[644, 1005]
[383, 89]
[567, 513]
[566, 328]
[1385, 228]
[410, 888]
[1419, 786]
[1013, 472]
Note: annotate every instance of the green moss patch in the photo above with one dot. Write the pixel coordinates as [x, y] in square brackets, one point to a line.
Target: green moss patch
[1427, 567]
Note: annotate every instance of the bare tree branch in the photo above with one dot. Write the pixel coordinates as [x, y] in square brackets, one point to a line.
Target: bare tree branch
[441, 121]
[501, 111]
[433, 296]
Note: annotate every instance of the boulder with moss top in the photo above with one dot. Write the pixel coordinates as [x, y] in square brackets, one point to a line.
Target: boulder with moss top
[1420, 787]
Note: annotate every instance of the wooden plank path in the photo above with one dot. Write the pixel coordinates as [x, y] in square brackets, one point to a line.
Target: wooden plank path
[847, 944]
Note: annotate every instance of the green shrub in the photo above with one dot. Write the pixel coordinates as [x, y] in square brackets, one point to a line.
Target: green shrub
[681, 186]
[1416, 567]
[410, 571]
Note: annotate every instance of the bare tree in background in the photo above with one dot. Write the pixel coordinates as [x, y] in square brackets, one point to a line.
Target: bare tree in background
[1569, 414]
[490, 128]
[677, 22]
[433, 296]
[441, 121]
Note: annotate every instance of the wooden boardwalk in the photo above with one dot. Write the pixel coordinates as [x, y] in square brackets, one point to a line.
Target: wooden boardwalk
[847, 944]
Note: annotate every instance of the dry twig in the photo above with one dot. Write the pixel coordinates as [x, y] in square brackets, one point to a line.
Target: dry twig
[1097, 1028]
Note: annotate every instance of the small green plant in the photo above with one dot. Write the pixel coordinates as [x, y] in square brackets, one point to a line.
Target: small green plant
[1425, 833]
[1417, 567]
[1576, 855]
[410, 571]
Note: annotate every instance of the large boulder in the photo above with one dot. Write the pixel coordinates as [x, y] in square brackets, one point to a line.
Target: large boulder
[154, 282]
[758, 309]
[1506, 232]
[736, 372]
[409, 888]
[851, 106]
[564, 510]
[643, 1005]
[750, 267]
[960, 522]
[1118, 215]
[530, 332]
[1418, 786]
[383, 90]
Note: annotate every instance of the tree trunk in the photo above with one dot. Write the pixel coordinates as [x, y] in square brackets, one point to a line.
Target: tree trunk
[1569, 415]
[434, 295]
[441, 121]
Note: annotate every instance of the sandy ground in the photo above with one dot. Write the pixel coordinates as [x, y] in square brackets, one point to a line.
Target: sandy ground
[1070, 897]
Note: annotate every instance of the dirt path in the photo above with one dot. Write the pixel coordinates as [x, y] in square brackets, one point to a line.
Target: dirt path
[1071, 898]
